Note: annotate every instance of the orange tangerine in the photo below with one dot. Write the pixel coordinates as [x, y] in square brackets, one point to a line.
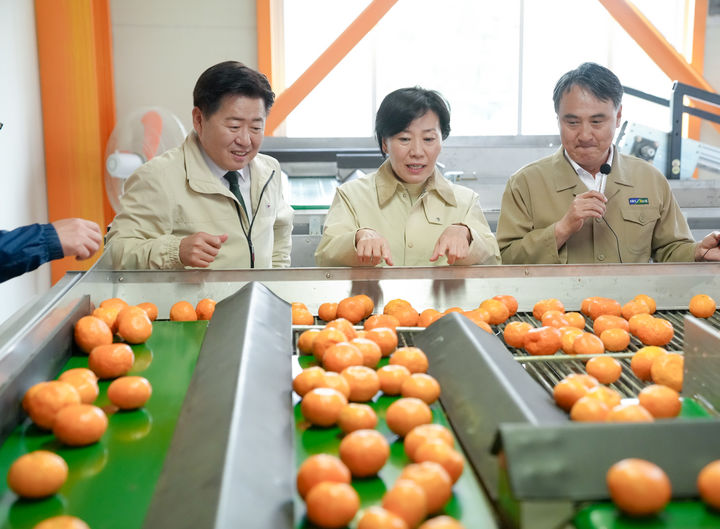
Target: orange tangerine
[297, 305]
[84, 381]
[368, 303]
[343, 326]
[441, 522]
[667, 370]
[129, 393]
[638, 487]
[543, 341]
[650, 302]
[305, 341]
[108, 315]
[514, 333]
[406, 499]
[509, 301]
[428, 316]
[477, 315]
[547, 304]
[309, 378]
[615, 339]
[205, 308]
[364, 452]
[554, 318]
[497, 310]
[134, 327]
[327, 311]
[609, 321]
[567, 392]
[452, 309]
[394, 304]
[421, 386]
[424, 433]
[356, 416]
[331, 504]
[322, 406]
[318, 468]
[407, 316]
[588, 409]
[378, 518]
[600, 306]
[411, 357]
[111, 361]
[299, 316]
[364, 382]
[352, 309]
[341, 355]
[633, 307]
[392, 378]
[371, 351]
[62, 522]
[629, 413]
[604, 368]
[608, 395]
[325, 339]
[588, 344]
[586, 380]
[150, 309]
[708, 484]
[575, 319]
[656, 331]
[406, 413]
[642, 361]
[381, 320]
[91, 332]
[80, 424]
[568, 337]
[37, 474]
[439, 451]
[335, 381]
[385, 337]
[433, 479]
[702, 306]
[183, 311]
[117, 303]
[661, 401]
[44, 400]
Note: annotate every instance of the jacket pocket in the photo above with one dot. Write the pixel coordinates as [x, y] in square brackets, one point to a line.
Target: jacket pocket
[638, 228]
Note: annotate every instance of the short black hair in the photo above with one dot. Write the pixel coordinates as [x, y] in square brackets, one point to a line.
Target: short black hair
[403, 106]
[603, 84]
[230, 78]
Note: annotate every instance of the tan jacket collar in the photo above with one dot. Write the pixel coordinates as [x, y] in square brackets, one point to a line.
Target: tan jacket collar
[387, 184]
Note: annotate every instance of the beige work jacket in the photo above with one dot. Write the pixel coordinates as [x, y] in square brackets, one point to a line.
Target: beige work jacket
[380, 202]
[175, 195]
[641, 210]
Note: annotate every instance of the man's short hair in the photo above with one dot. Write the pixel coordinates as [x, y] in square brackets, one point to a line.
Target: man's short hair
[403, 106]
[230, 78]
[600, 81]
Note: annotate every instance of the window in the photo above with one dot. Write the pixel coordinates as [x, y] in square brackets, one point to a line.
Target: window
[495, 62]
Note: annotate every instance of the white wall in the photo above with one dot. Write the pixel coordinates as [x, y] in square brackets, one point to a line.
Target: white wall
[23, 197]
[160, 48]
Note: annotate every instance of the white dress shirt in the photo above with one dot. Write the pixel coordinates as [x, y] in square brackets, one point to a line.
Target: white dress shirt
[592, 182]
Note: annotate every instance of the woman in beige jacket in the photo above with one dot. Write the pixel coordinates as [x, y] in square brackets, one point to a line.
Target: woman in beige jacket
[407, 213]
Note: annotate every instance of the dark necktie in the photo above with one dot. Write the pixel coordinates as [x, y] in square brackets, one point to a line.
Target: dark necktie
[232, 178]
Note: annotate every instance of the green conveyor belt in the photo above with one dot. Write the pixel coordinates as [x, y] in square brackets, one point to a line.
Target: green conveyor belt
[469, 504]
[110, 484]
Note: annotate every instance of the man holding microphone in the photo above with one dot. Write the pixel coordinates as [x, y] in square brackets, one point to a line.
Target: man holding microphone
[587, 203]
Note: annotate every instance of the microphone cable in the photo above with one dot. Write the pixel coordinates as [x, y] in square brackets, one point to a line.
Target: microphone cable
[605, 171]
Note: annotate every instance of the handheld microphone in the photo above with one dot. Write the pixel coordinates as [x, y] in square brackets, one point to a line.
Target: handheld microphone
[604, 171]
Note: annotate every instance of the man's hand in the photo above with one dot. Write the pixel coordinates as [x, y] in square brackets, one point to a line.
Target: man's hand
[200, 249]
[454, 243]
[708, 249]
[590, 204]
[78, 237]
[372, 248]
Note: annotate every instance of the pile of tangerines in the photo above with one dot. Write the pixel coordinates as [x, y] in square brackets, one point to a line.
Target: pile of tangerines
[346, 372]
[65, 406]
[336, 392]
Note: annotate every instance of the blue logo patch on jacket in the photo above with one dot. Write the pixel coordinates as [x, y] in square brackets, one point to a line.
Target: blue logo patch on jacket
[638, 201]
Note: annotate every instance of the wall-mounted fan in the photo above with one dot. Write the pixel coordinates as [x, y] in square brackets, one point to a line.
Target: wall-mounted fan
[136, 138]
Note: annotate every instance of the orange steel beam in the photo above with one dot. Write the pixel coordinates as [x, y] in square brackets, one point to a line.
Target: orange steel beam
[697, 60]
[71, 38]
[264, 38]
[655, 45]
[323, 65]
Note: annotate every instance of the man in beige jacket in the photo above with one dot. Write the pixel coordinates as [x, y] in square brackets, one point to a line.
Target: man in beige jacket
[588, 203]
[214, 201]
